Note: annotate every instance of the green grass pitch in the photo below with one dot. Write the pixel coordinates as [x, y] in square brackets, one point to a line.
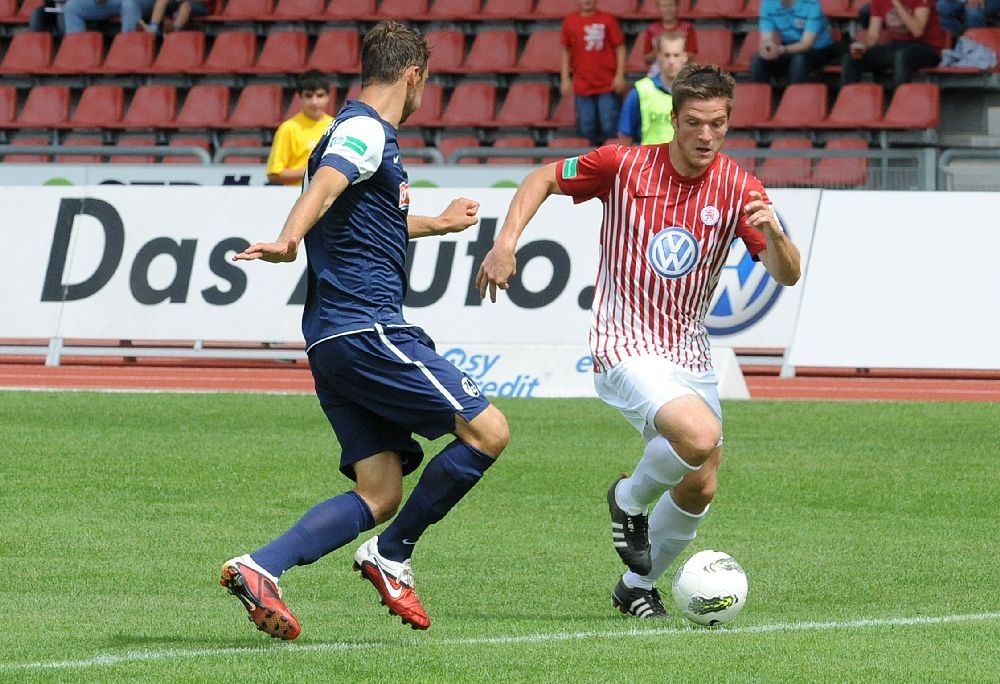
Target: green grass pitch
[869, 532]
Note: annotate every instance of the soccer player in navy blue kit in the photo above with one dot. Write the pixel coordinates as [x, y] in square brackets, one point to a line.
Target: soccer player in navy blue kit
[378, 378]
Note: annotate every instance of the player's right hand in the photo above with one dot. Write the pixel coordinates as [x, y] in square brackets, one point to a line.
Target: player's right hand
[497, 269]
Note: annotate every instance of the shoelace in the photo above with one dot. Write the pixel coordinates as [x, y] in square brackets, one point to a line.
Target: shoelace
[406, 574]
[638, 525]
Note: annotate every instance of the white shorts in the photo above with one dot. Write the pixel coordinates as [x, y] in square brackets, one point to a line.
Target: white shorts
[640, 385]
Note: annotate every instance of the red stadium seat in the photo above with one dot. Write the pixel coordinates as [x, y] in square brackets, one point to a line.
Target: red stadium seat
[205, 106]
[564, 114]
[507, 9]
[842, 172]
[337, 51]
[153, 105]
[471, 104]
[778, 171]
[29, 52]
[635, 59]
[447, 50]
[913, 106]
[453, 10]
[858, 105]
[232, 51]
[81, 140]
[732, 147]
[527, 104]
[99, 106]
[8, 106]
[715, 9]
[509, 142]
[298, 10]
[556, 9]
[751, 105]
[79, 53]
[47, 106]
[140, 140]
[715, 46]
[402, 10]
[249, 142]
[284, 52]
[748, 48]
[802, 105]
[259, 105]
[492, 51]
[130, 52]
[356, 10]
[28, 157]
[180, 52]
[243, 11]
[431, 106]
[447, 145]
[542, 52]
[187, 140]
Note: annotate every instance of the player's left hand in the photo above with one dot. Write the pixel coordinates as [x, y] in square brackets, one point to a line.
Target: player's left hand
[759, 214]
[498, 267]
[272, 252]
[460, 214]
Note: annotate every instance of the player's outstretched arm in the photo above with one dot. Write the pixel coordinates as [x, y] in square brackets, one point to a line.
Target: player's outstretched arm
[326, 185]
[460, 214]
[499, 264]
[781, 257]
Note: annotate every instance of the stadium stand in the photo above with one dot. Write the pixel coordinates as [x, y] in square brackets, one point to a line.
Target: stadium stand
[526, 104]
[337, 51]
[298, 10]
[541, 54]
[447, 50]
[259, 105]
[405, 10]
[153, 105]
[232, 51]
[752, 105]
[350, 10]
[8, 106]
[206, 106]
[491, 51]
[800, 107]
[472, 104]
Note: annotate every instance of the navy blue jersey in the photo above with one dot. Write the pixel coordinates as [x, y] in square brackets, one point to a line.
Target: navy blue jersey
[356, 252]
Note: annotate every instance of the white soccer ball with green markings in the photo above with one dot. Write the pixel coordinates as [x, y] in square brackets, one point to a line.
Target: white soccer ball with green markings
[710, 588]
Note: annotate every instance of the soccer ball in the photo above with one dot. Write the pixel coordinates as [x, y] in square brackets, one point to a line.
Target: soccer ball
[710, 588]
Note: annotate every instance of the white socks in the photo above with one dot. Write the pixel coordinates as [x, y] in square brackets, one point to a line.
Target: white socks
[671, 529]
[659, 469]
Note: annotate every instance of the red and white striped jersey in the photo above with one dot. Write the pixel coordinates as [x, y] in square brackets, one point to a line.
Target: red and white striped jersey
[663, 243]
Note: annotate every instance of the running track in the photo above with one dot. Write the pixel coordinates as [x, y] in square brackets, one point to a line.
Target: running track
[294, 377]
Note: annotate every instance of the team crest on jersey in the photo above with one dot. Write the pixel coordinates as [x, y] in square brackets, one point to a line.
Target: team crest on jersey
[673, 252]
[470, 387]
[710, 215]
[404, 195]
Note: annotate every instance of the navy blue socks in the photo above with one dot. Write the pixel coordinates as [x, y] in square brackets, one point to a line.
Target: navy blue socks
[445, 480]
[325, 527]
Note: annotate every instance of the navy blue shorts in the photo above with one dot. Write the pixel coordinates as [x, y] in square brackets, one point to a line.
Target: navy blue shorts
[380, 387]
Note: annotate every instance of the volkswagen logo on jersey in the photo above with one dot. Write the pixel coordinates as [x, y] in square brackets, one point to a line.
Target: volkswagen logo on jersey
[673, 252]
[746, 292]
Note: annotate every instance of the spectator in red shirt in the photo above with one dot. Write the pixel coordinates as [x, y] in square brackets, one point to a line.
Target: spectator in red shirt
[593, 70]
[915, 41]
[668, 23]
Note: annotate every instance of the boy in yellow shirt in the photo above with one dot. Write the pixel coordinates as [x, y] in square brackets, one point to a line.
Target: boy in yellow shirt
[296, 137]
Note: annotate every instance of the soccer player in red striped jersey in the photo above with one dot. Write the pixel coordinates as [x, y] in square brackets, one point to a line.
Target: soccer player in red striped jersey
[671, 212]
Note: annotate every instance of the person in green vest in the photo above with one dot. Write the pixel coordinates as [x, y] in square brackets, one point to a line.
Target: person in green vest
[645, 117]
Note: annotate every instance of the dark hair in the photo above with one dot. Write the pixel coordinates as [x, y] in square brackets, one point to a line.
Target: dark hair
[702, 82]
[314, 79]
[388, 50]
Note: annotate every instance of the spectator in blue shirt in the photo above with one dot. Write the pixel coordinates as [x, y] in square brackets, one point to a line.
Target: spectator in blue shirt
[645, 117]
[795, 41]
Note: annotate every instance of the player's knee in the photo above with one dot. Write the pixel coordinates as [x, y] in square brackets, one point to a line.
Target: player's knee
[488, 432]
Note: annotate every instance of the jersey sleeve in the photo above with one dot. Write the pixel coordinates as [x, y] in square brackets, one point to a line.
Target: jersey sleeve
[752, 238]
[589, 175]
[355, 148]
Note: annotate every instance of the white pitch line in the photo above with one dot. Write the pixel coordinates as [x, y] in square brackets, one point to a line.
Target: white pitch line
[112, 659]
